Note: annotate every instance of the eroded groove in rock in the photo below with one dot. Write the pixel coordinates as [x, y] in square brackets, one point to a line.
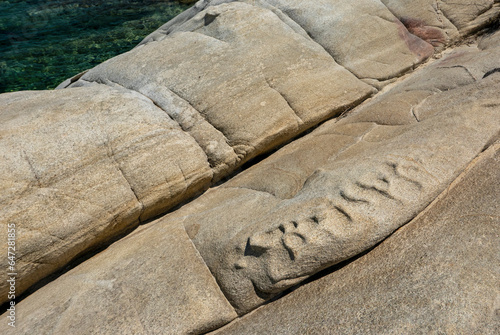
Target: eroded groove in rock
[405, 172]
[101, 157]
[150, 161]
[278, 269]
[489, 73]
[456, 231]
[412, 110]
[351, 58]
[463, 67]
[313, 85]
[287, 100]
[417, 18]
[221, 156]
[467, 13]
[32, 169]
[302, 14]
[205, 119]
[95, 281]
[111, 156]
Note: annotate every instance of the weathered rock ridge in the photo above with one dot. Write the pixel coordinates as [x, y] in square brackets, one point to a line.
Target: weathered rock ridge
[407, 166]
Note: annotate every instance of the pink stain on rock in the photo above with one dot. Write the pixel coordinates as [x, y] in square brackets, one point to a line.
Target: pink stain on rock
[432, 35]
[416, 45]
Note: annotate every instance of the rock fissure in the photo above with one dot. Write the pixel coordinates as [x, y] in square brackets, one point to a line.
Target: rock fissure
[201, 115]
[354, 210]
[320, 45]
[489, 73]
[200, 257]
[111, 155]
[185, 129]
[461, 67]
[440, 14]
[284, 97]
[248, 188]
[412, 111]
[32, 169]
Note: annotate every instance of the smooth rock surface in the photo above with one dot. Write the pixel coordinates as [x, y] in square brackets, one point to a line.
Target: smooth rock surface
[336, 192]
[437, 275]
[443, 22]
[363, 36]
[351, 202]
[462, 66]
[241, 79]
[424, 19]
[380, 118]
[467, 16]
[83, 165]
[375, 176]
[212, 89]
[151, 282]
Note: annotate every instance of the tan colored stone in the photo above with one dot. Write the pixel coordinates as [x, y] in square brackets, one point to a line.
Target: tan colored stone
[464, 65]
[363, 36]
[372, 180]
[438, 274]
[247, 81]
[490, 40]
[443, 22]
[80, 166]
[173, 25]
[367, 192]
[424, 19]
[151, 282]
[467, 16]
[374, 121]
[210, 90]
[439, 23]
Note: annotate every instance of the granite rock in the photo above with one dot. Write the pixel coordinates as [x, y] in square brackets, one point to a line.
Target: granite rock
[443, 22]
[225, 82]
[350, 202]
[462, 66]
[363, 36]
[85, 164]
[82, 166]
[436, 275]
[151, 282]
[241, 79]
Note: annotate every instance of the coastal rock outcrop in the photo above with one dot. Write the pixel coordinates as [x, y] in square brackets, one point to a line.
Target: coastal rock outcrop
[83, 165]
[438, 274]
[400, 180]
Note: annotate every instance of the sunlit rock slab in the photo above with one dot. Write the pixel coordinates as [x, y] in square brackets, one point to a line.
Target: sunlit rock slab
[81, 166]
[380, 118]
[461, 66]
[438, 274]
[363, 36]
[368, 180]
[152, 282]
[263, 105]
[243, 80]
[354, 201]
[442, 22]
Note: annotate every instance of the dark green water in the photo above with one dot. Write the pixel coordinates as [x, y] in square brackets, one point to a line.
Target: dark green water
[43, 43]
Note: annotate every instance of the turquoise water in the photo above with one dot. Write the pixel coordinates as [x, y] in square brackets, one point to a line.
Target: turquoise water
[42, 43]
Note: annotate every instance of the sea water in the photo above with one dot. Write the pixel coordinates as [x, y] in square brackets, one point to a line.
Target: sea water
[42, 43]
